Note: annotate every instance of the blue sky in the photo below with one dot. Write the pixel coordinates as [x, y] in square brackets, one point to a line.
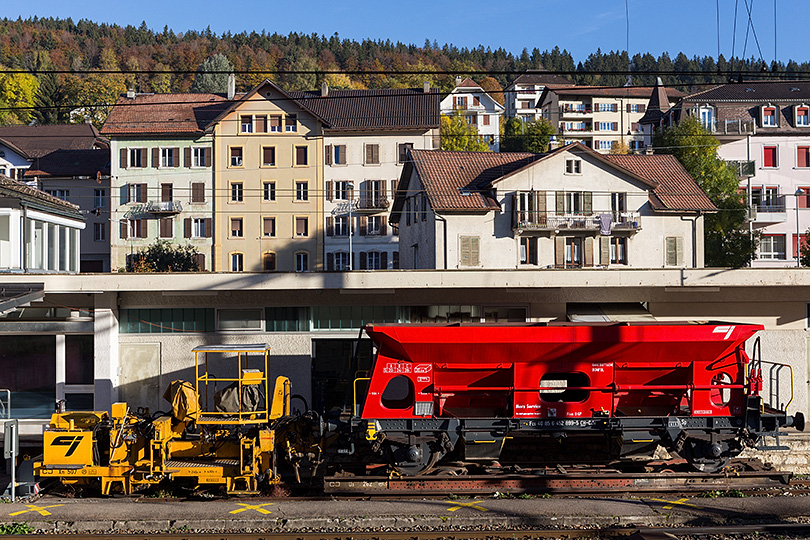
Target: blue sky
[688, 26]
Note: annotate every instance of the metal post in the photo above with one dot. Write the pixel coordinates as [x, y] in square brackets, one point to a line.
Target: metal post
[13, 461]
[799, 193]
[350, 186]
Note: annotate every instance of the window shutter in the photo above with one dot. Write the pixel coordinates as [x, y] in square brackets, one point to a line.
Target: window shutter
[395, 260]
[351, 192]
[329, 191]
[559, 251]
[142, 155]
[208, 153]
[628, 107]
[330, 262]
[209, 227]
[376, 153]
[176, 156]
[363, 260]
[559, 200]
[330, 226]
[142, 193]
[187, 228]
[384, 260]
[261, 124]
[393, 188]
[268, 224]
[124, 230]
[595, 128]
[383, 227]
[604, 250]
[187, 157]
[363, 225]
[588, 259]
[166, 227]
[382, 186]
[475, 251]
[142, 229]
[197, 192]
[642, 108]
[122, 158]
[679, 250]
[327, 156]
[123, 194]
[634, 126]
[155, 157]
[802, 155]
[588, 203]
[614, 107]
[615, 126]
[199, 258]
[769, 156]
[165, 192]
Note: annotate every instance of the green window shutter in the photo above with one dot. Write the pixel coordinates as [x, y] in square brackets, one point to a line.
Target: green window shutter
[588, 255]
[559, 251]
[559, 200]
[588, 203]
[679, 250]
[604, 250]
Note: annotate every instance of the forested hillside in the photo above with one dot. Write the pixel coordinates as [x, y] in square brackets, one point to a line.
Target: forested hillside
[97, 62]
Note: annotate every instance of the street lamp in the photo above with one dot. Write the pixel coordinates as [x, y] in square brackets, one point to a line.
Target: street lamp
[799, 193]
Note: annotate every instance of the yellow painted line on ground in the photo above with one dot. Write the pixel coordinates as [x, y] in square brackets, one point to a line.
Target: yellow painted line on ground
[459, 505]
[672, 504]
[257, 507]
[35, 508]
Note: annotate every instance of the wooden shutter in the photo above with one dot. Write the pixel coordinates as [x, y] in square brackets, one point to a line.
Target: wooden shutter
[634, 126]
[124, 229]
[769, 156]
[187, 157]
[363, 261]
[395, 260]
[142, 193]
[382, 186]
[199, 258]
[143, 227]
[803, 156]
[363, 225]
[615, 126]
[275, 123]
[166, 192]
[596, 127]
[327, 156]
[559, 201]
[208, 153]
[604, 250]
[674, 251]
[394, 188]
[628, 107]
[209, 227]
[142, 155]
[642, 108]
[330, 226]
[261, 124]
[330, 262]
[614, 107]
[197, 192]
[588, 248]
[384, 260]
[155, 157]
[559, 251]
[176, 156]
[383, 227]
[329, 191]
[187, 228]
[122, 158]
[166, 227]
[588, 203]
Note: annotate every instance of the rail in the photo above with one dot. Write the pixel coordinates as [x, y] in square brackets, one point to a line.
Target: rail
[774, 386]
[5, 404]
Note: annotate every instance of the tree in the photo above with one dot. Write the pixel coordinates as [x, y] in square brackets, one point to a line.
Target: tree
[17, 92]
[493, 88]
[457, 134]
[51, 102]
[522, 136]
[163, 256]
[728, 242]
[300, 72]
[212, 75]
[620, 147]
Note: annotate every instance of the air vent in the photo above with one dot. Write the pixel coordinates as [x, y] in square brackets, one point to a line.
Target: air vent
[750, 90]
[795, 89]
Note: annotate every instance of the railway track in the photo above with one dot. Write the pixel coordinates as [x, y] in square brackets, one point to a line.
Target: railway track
[741, 475]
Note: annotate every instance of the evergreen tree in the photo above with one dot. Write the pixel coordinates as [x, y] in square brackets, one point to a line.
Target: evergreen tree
[51, 102]
[212, 75]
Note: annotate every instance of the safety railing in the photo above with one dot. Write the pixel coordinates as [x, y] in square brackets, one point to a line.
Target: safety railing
[5, 403]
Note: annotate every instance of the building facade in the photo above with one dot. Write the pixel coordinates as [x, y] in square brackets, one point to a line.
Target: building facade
[522, 97]
[477, 108]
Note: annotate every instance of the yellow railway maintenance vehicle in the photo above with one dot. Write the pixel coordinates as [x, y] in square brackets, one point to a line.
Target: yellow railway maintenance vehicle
[221, 432]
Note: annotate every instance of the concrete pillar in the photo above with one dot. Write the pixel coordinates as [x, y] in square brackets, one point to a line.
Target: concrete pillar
[105, 347]
[46, 238]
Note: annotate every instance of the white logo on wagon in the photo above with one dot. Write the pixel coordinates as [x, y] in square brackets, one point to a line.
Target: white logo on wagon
[399, 367]
[724, 329]
[423, 368]
[423, 379]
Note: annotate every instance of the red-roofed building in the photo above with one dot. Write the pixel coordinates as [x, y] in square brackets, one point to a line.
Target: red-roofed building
[570, 208]
[478, 108]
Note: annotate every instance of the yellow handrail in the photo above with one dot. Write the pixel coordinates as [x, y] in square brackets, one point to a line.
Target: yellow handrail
[354, 394]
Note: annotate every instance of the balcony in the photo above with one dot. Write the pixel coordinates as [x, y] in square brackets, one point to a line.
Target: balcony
[772, 211]
[744, 168]
[575, 111]
[550, 221]
[164, 208]
[732, 127]
[372, 204]
[575, 127]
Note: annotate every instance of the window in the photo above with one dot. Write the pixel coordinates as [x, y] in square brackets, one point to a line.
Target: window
[526, 104]
[770, 156]
[802, 116]
[469, 251]
[341, 261]
[343, 190]
[268, 156]
[275, 124]
[402, 151]
[99, 198]
[301, 226]
[301, 190]
[374, 226]
[166, 227]
[133, 228]
[768, 116]
[607, 126]
[236, 228]
[472, 119]
[99, 232]
[169, 157]
[269, 191]
[246, 124]
[302, 261]
[573, 252]
[634, 108]
[237, 194]
[618, 204]
[461, 102]
[673, 255]
[237, 262]
[236, 156]
[269, 261]
[335, 154]
[574, 203]
[372, 154]
[198, 228]
[198, 192]
[372, 194]
[301, 156]
[291, 123]
[604, 145]
[341, 226]
[802, 156]
[137, 158]
[240, 319]
[374, 260]
[573, 166]
[269, 226]
[618, 250]
[607, 107]
[59, 193]
[706, 117]
[772, 247]
[133, 193]
[200, 157]
[528, 250]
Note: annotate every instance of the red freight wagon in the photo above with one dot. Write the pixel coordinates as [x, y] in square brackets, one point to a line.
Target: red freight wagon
[480, 393]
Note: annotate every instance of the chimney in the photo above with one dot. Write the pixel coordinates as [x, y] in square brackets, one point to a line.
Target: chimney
[458, 80]
[324, 89]
[131, 93]
[231, 85]
[426, 87]
[649, 150]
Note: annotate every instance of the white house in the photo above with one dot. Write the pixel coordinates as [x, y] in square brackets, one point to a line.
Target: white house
[477, 107]
[570, 208]
[522, 97]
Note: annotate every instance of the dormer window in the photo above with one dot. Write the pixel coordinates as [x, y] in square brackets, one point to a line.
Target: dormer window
[706, 116]
[768, 116]
[801, 115]
[573, 166]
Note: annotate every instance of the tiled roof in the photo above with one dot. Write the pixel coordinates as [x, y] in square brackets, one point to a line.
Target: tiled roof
[163, 114]
[755, 91]
[658, 105]
[541, 77]
[14, 188]
[395, 109]
[36, 141]
[468, 83]
[452, 180]
[71, 163]
[676, 189]
[604, 91]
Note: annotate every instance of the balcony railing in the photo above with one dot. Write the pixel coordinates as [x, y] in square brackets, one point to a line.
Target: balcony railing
[547, 221]
[744, 168]
[576, 110]
[371, 204]
[164, 207]
[578, 127]
[732, 127]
